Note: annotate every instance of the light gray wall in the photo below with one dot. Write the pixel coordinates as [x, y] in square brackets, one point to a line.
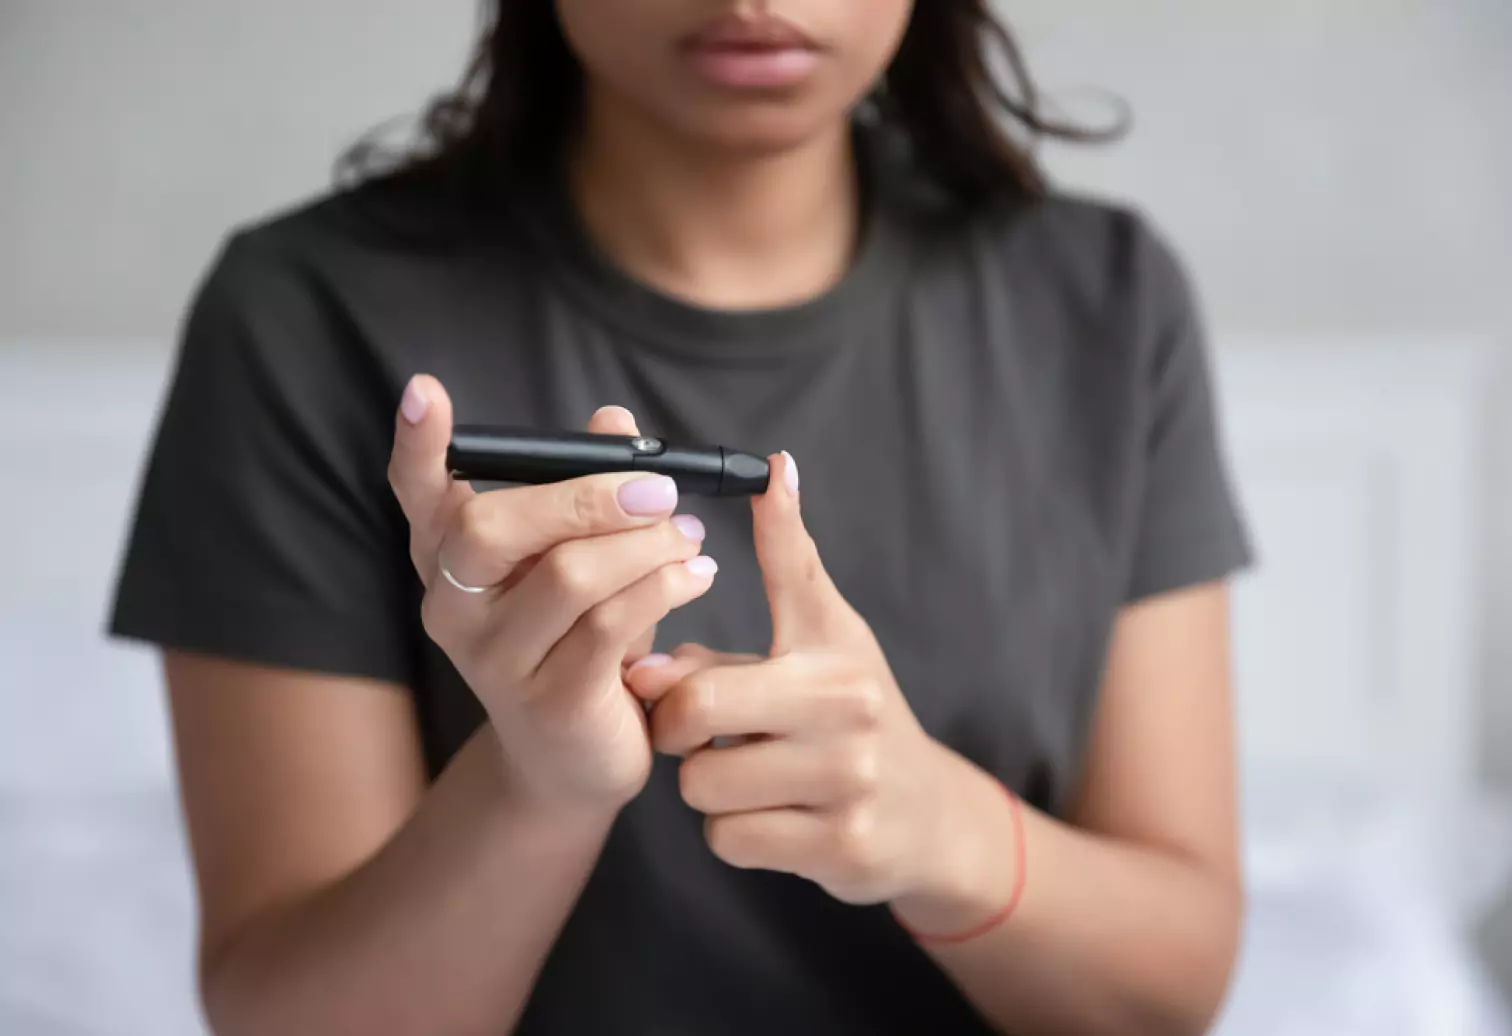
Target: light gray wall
[134, 132]
[1323, 165]
[1327, 165]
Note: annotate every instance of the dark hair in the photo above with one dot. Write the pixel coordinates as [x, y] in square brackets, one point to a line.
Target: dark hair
[971, 133]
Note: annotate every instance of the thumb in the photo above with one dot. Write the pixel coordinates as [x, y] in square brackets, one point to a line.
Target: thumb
[807, 610]
[417, 467]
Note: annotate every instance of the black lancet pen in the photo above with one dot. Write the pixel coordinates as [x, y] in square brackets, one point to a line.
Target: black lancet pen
[489, 453]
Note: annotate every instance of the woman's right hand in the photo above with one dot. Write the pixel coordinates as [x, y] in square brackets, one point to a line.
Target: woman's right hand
[578, 574]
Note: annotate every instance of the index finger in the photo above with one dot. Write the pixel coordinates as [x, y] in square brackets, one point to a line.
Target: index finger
[493, 532]
[651, 677]
[772, 697]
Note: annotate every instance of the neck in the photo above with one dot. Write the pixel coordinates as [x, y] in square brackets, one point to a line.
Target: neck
[720, 229]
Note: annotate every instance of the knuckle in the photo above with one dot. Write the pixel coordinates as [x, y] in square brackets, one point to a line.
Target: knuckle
[669, 582]
[727, 840]
[568, 572]
[668, 723]
[694, 784]
[603, 621]
[865, 700]
[585, 506]
[672, 540]
[701, 693]
[473, 522]
[813, 569]
[859, 766]
[663, 725]
[680, 721]
[855, 832]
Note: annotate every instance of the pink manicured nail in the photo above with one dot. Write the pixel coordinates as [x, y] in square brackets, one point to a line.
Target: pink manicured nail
[790, 470]
[703, 565]
[413, 403]
[651, 660]
[655, 494]
[689, 526]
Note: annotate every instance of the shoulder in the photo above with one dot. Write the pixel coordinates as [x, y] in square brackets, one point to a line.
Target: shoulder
[378, 268]
[400, 218]
[1097, 256]
[1084, 286]
[300, 298]
[335, 301]
[263, 288]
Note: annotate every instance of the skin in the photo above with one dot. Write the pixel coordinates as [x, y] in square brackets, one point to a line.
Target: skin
[729, 200]
[1129, 915]
[341, 892]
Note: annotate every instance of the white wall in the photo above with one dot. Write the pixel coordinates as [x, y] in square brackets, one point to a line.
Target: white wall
[135, 131]
[1324, 164]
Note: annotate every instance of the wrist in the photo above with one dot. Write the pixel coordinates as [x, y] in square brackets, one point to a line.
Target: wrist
[972, 879]
[555, 831]
[544, 818]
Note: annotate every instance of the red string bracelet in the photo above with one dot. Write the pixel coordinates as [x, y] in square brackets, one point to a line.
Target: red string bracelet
[999, 918]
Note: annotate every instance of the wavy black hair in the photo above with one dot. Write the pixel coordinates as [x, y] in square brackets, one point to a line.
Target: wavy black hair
[971, 129]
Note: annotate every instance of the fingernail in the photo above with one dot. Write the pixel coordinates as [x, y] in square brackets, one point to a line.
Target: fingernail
[689, 526]
[650, 660]
[624, 411]
[790, 471]
[413, 403]
[703, 565]
[654, 494]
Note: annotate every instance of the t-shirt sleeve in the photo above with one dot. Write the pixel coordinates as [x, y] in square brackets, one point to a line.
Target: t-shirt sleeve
[265, 530]
[1189, 525]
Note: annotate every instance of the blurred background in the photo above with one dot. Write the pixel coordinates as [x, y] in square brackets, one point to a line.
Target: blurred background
[1336, 174]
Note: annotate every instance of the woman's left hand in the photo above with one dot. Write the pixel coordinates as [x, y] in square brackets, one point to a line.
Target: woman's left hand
[831, 777]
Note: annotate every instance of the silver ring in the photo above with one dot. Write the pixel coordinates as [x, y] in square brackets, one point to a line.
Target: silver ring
[458, 584]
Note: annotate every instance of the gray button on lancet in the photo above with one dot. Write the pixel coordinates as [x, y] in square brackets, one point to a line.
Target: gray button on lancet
[645, 445]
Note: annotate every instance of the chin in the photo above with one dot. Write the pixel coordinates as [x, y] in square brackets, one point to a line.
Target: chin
[760, 130]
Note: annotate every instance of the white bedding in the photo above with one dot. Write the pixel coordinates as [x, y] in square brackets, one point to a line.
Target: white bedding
[1359, 909]
[1360, 901]
[1354, 928]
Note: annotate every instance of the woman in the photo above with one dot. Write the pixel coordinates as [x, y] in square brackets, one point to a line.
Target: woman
[948, 747]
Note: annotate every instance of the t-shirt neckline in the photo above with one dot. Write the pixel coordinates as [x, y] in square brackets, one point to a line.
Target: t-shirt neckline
[663, 321]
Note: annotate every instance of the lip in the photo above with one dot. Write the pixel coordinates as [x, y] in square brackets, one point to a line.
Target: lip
[745, 53]
[768, 32]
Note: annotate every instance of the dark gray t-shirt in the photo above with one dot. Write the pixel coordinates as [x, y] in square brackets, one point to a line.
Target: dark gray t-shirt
[1005, 428]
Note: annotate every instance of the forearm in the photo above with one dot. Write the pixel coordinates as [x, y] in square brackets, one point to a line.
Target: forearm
[1107, 937]
[442, 931]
